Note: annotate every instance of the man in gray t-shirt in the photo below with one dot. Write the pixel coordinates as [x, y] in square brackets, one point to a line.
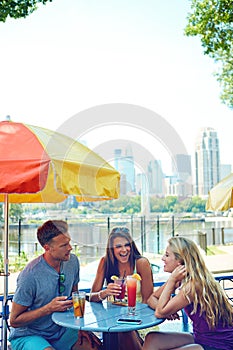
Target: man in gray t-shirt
[42, 288]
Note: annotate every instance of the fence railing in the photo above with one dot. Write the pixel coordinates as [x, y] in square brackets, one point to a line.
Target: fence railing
[150, 234]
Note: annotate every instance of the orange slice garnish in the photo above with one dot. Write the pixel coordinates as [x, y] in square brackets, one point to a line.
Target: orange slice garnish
[114, 278]
[137, 276]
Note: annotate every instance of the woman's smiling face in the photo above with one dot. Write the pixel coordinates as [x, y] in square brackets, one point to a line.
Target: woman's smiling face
[170, 261]
[121, 249]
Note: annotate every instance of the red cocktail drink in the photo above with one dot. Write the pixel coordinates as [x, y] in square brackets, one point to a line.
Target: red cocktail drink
[131, 291]
[121, 282]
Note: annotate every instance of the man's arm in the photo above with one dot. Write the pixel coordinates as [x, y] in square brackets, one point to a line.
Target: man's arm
[21, 316]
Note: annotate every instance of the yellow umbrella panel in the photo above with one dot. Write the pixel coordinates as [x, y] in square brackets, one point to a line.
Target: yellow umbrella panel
[221, 195]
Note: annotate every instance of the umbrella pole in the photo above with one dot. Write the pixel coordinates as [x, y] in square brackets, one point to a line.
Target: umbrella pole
[5, 309]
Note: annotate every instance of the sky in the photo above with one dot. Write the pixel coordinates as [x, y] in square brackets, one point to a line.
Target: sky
[71, 64]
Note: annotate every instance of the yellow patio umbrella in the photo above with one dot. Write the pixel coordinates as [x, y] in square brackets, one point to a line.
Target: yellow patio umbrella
[221, 195]
[38, 165]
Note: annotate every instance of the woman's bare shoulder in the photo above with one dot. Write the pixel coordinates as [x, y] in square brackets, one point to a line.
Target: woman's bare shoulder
[102, 262]
[142, 261]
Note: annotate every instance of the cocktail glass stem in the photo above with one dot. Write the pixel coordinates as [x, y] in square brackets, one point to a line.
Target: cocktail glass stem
[131, 310]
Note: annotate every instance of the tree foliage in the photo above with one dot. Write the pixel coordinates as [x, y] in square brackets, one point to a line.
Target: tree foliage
[169, 204]
[18, 8]
[212, 20]
[15, 212]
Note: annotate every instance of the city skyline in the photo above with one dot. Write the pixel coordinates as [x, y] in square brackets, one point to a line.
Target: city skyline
[203, 179]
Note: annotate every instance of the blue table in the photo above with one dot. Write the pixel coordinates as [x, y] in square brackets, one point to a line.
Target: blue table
[102, 317]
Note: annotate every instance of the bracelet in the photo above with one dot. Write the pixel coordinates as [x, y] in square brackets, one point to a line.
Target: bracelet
[99, 296]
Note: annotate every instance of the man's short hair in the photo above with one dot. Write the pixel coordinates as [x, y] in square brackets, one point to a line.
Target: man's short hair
[51, 229]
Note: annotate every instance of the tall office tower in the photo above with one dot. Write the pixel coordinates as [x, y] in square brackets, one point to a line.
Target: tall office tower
[207, 161]
[117, 159]
[124, 163]
[182, 166]
[155, 177]
[183, 171]
[170, 188]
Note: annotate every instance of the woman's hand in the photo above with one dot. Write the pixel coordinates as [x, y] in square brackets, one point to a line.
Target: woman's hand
[113, 289]
[178, 274]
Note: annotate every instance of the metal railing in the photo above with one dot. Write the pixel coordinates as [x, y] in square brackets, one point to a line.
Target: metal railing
[4, 316]
[226, 282]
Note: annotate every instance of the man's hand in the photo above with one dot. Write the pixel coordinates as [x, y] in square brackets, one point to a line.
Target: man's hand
[60, 304]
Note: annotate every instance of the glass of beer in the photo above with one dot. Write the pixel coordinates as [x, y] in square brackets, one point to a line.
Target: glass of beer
[79, 299]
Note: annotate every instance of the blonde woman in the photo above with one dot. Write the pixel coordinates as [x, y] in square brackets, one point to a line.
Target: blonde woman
[199, 294]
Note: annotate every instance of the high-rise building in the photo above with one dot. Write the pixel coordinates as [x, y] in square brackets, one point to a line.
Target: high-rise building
[124, 163]
[207, 161]
[182, 166]
[155, 178]
[182, 170]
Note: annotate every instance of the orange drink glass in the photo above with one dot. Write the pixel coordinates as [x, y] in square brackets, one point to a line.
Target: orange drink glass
[79, 299]
[131, 291]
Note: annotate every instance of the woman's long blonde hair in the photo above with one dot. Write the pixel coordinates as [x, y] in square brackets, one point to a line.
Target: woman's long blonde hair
[200, 283]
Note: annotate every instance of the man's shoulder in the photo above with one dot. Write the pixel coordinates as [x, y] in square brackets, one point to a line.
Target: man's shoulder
[33, 265]
[73, 257]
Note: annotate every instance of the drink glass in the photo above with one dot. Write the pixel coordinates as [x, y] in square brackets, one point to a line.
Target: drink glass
[131, 291]
[121, 282]
[79, 299]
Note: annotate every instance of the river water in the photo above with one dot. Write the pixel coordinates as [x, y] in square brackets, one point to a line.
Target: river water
[89, 237]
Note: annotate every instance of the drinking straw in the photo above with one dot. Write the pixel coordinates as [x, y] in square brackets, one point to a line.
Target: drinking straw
[123, 279]
[80, 305]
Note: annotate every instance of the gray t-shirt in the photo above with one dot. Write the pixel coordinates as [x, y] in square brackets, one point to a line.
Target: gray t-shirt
[37, 285]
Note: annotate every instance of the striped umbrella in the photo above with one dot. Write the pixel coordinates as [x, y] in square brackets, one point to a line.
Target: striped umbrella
[221, 195]
[38, 165]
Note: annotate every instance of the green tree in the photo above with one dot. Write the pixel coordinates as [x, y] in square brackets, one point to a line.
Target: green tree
[169, 203]
[125, 204]
[197, 204]
[212, 20]
[16, 212]
[175, 205]
[156, 204]
[18, 8]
